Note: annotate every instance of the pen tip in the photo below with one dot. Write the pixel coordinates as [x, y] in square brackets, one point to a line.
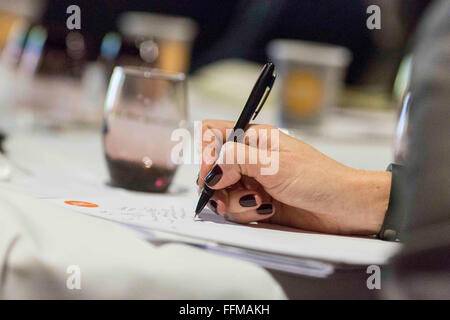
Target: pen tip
[205, 195]
[198, 209]
[200, 205]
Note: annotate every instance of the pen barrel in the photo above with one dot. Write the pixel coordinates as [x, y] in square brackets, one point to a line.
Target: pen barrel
[208, 191]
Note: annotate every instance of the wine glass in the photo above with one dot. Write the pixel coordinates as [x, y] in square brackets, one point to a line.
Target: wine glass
[142, 109]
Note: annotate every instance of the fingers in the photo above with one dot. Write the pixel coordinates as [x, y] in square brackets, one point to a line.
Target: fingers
[211, 144]
[218, 203]
[214, 133]
[233, 170]
[243, 200]
[236, 161]
[249, 206]
[267, 211]
[213, 136]
[250, 183]
[243, 206]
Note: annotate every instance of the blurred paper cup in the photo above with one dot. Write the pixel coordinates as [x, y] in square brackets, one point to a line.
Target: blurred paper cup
[311, 76]
[163, 40]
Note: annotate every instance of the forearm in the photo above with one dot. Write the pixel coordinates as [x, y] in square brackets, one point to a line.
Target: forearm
[350, 201]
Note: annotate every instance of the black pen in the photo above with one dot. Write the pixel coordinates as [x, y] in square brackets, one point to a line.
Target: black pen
[251, 110]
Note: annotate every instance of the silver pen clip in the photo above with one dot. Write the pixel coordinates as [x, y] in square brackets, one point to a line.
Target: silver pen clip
[261, 103]
[264, 98]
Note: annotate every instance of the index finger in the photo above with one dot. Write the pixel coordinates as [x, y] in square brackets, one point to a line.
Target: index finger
[213, 136]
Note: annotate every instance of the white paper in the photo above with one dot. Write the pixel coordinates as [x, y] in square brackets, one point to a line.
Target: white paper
[175, 214]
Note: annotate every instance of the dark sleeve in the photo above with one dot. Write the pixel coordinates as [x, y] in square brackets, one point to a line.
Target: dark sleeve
[422, 269]
[394, 220]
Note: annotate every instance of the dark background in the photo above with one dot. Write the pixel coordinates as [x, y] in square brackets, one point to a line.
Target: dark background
[242, 28]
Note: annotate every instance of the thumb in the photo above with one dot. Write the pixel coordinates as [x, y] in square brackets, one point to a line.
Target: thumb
[236, 160]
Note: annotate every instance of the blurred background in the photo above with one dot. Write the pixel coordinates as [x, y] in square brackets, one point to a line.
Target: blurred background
[334, 72]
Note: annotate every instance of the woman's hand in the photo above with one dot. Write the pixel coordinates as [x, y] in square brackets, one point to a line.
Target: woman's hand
[285, 181]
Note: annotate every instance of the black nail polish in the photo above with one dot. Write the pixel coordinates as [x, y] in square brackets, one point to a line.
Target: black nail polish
[213, 205]
[214, 176]
[198, 177]
[248, 200]
[265, 209]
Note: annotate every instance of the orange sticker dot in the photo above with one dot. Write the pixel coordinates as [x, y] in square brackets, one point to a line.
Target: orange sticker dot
[82, 204]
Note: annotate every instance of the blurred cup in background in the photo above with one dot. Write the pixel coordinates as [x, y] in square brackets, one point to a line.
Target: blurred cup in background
[164, 41]
[142, 109]
[310, 78]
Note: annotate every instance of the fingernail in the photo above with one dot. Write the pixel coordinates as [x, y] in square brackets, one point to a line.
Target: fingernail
[213, 205]
[265, 209]
[198, 177]
[213, 176]
[248, 200]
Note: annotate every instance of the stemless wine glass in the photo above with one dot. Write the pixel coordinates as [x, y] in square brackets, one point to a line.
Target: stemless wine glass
[142, 109]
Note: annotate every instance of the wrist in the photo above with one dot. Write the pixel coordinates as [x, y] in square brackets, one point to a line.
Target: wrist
[370, 191]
